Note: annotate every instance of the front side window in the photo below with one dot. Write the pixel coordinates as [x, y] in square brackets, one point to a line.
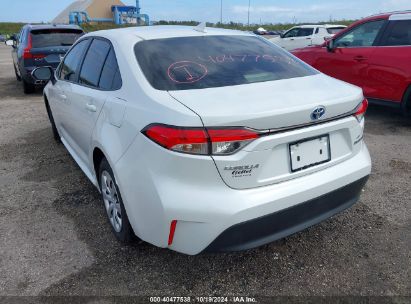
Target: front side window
[70, 65]
[94, 62]
[363, 35]
[215, 61]
[398, 33]
[292, 33]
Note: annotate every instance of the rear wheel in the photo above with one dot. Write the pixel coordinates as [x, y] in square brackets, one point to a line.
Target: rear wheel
[28, 88]
[113, 204]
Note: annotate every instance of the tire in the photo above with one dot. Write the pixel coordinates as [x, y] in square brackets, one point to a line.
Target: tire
[113, 204]
[28, 88]
[56, 134]
[17, 75]
[406, 103]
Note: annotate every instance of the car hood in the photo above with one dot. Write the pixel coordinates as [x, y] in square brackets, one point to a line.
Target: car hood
[273, 104]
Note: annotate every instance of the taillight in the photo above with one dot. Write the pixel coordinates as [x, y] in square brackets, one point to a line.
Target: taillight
[228, 141]
[213, 141]
[361, 109]
[185, 140]
[27, 50]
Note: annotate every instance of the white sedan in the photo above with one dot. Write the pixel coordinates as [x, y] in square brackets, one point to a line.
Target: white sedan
[307, 35]
[207, 139]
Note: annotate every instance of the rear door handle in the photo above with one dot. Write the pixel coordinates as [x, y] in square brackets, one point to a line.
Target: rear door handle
[63, 97]
[91, 108]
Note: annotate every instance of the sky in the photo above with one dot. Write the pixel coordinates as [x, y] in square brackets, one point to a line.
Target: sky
[262, 11]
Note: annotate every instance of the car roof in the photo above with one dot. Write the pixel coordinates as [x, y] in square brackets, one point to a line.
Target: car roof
[403, 15]
[164, 31]
[53, 26]
[321, 25]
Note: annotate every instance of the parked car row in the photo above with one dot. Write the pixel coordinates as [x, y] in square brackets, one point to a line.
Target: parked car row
[262, 31]
[374, 54]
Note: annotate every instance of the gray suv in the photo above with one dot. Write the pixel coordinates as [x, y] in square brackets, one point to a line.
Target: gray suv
[40, 45]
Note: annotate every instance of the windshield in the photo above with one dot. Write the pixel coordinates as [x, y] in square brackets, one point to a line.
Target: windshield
[55, 37]
[215, 61]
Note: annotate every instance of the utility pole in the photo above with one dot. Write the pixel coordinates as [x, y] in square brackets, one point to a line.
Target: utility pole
[249, 5]
[221, 12]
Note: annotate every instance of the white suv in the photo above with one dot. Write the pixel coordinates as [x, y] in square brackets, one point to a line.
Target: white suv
[208, 139]
[306, 35]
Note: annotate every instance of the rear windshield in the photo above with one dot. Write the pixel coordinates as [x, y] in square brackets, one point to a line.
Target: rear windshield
[54, 37]
[215, 61]
[335, 30]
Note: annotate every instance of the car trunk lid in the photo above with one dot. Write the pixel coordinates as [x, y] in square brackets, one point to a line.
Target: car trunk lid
[271, 105]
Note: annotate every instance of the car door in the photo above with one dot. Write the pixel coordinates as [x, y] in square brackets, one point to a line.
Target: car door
[286, 41]
[317, 37]
[67, 74]
[389, 71]
[86, 98]
[350, 58]
[303, 38]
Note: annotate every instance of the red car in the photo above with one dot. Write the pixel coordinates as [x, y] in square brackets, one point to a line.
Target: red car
[373, 53]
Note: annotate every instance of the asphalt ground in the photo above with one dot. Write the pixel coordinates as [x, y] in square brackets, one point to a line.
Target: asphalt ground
[55, 239]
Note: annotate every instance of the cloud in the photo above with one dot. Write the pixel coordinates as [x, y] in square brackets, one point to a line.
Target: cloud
[278, 9]
[304, 13]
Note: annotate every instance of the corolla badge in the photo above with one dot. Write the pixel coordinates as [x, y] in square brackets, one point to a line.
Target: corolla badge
[318, 113]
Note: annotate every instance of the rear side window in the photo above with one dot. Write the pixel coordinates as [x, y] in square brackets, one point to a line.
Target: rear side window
[305, 31]
[110, 76]
[215, 61]
[71, 63]
[54, 37]
[94, 62]
[397, 33]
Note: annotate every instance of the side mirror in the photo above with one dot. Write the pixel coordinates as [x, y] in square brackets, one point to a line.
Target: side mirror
[43, 74]
[330, 44]
[10, 42]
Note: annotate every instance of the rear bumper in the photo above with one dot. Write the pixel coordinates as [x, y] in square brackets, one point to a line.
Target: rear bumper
[188, 189]
[271, 227]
